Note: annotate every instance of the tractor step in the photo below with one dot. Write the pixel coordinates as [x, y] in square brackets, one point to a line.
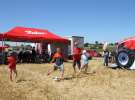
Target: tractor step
[133, 66]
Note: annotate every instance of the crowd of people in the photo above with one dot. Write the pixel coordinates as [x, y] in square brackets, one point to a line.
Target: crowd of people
[26, 55]
[80, 59]
[32, 56]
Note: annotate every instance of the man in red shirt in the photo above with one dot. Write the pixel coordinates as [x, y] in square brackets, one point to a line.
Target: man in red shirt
[12, 65]
[76, 56]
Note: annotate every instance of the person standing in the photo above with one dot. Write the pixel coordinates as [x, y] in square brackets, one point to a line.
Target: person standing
[12, 65]
[76, 56]
[33, 54]
[20, 56]
[84, 61]
[106, 57]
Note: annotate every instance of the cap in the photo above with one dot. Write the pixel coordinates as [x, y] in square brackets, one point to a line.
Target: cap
[84, 51]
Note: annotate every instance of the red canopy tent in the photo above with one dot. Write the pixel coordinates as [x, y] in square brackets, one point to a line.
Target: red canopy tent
[22, 34]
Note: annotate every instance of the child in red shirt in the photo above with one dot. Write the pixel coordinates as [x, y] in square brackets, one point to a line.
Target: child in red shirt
[12, 65]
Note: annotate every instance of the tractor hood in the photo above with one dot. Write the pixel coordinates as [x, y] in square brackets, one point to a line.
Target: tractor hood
[129, 43]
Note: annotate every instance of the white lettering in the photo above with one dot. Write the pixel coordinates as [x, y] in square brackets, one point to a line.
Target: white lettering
[30, 32]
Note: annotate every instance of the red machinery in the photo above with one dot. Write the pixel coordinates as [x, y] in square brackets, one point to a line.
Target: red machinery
[126, 53]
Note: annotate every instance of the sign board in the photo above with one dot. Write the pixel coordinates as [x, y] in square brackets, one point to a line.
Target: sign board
[75, 40]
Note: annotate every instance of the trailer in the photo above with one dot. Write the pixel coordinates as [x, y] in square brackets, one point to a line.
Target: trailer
[67, 49]
[74, 39]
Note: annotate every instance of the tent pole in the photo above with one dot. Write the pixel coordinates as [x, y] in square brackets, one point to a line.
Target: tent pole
[2, 50]
[16, 44]
[3, 55]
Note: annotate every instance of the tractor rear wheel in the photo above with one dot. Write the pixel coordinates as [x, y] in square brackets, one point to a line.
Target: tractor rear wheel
[124, 59]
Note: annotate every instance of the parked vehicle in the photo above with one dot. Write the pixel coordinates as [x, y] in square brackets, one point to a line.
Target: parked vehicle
[94, 53]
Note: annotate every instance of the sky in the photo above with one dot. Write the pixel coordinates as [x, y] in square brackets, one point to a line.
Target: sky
[96, 20]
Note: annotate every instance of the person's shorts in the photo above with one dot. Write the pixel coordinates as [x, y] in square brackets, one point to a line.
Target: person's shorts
[77, 62]
[60, 67]
[84, 64]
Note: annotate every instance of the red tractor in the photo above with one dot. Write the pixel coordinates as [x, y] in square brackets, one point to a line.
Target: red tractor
[126, 53]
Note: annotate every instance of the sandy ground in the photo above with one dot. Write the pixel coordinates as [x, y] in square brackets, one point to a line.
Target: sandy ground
[99, 83]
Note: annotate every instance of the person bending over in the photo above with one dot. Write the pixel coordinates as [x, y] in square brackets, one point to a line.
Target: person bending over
[58, 60]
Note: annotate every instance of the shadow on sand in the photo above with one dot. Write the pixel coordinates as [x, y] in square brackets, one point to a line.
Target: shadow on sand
[80, 75]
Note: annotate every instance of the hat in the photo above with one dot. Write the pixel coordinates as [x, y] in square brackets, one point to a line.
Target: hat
[84, 51]
[76, 43]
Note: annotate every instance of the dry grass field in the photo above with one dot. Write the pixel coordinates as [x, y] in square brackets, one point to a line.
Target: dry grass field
[99, 83]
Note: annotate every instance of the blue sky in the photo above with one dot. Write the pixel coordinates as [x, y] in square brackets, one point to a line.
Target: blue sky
[101, 20]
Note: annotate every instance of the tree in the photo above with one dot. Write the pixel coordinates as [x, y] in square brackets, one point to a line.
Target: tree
[111, 44]
[96, 42]
[86, 44]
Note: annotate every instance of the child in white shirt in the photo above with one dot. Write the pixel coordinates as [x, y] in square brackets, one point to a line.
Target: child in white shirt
[84, 61]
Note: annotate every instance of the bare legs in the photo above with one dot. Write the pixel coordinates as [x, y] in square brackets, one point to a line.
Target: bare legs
[84, 68]
[11, 74]
[78, 63]
[61, 67]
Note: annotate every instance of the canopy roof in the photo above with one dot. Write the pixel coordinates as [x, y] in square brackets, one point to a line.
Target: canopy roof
[22, 34]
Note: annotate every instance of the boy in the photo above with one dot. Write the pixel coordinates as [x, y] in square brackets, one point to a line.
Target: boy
[12, 65]
[58, 60]
[84, 61]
